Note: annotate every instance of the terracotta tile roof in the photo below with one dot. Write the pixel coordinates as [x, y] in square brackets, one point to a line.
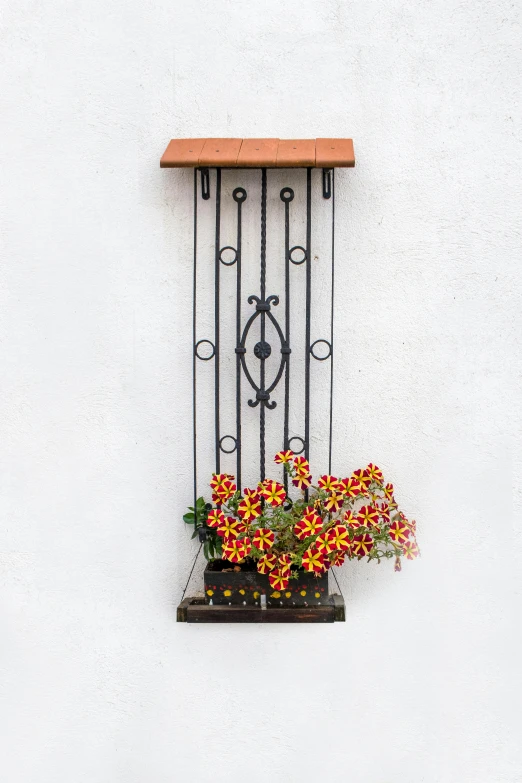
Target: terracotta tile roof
[259, 153]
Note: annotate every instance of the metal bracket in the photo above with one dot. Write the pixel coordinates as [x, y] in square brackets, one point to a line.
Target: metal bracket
[205, 184]
[327, 183]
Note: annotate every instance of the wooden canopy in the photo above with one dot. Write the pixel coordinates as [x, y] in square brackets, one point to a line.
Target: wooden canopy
[259, 153]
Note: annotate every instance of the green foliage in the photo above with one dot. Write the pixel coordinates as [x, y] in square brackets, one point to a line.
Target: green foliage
[198, 518]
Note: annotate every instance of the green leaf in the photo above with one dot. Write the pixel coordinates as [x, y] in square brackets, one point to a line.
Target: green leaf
[188, 518]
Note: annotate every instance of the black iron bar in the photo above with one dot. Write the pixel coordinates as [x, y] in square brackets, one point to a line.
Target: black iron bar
[238, 339]
[217, 264]
[194, 398]
[332, 192]
[263, 315]
[287, 332]
[308, 308]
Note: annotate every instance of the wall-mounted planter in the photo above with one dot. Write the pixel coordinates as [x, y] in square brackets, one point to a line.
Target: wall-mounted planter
[261, 323]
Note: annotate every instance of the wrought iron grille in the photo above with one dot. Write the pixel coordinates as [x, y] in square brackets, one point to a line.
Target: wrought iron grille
[256, 385]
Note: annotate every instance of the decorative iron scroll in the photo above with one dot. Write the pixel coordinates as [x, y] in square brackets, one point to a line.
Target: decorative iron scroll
[264, 310]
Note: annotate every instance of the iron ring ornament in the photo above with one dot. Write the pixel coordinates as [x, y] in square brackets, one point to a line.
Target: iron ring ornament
[321, 358]
[297, 261]
[239, 195]
[296, 437]
[205, 358]
[223, 449]
[262, 350]
[233, 260]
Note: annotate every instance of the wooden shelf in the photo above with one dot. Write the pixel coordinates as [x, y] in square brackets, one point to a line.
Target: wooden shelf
[259, 153]
[195, 610]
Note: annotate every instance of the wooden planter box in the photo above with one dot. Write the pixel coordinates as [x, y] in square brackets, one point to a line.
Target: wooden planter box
[246, 588]
[247, 597]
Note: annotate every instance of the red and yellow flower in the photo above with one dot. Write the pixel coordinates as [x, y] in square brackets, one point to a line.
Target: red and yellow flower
[278, 579]
[273, 492]
[223, 492]
[363, 477]
[328, 482]
[339, 538]
[351, 487]
[220, 478]
[399, 531]
[223, 487]
[233, 550]
[283, 457]
[375, 473]
[285, 561]
[337, 559]
[247, 546]
[266, 563]
[215, 518]
[388, 491]
[250, 506]
[313, 560]
[362, 545]
[410, 550]
[368, 516]
[230, 527]
[302, 466]
[251, 493]
[334, 502]
[352, 521]
[302, 482]
[309, 525]
[263, 538]
[324, 543]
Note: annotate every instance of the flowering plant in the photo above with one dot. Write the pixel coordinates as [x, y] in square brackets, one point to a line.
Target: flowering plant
[332, 520]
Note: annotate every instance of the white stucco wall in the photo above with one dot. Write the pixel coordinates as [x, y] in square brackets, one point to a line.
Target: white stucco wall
[99, 684]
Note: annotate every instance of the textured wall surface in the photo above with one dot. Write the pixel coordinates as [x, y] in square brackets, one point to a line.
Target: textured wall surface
[98, 683]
